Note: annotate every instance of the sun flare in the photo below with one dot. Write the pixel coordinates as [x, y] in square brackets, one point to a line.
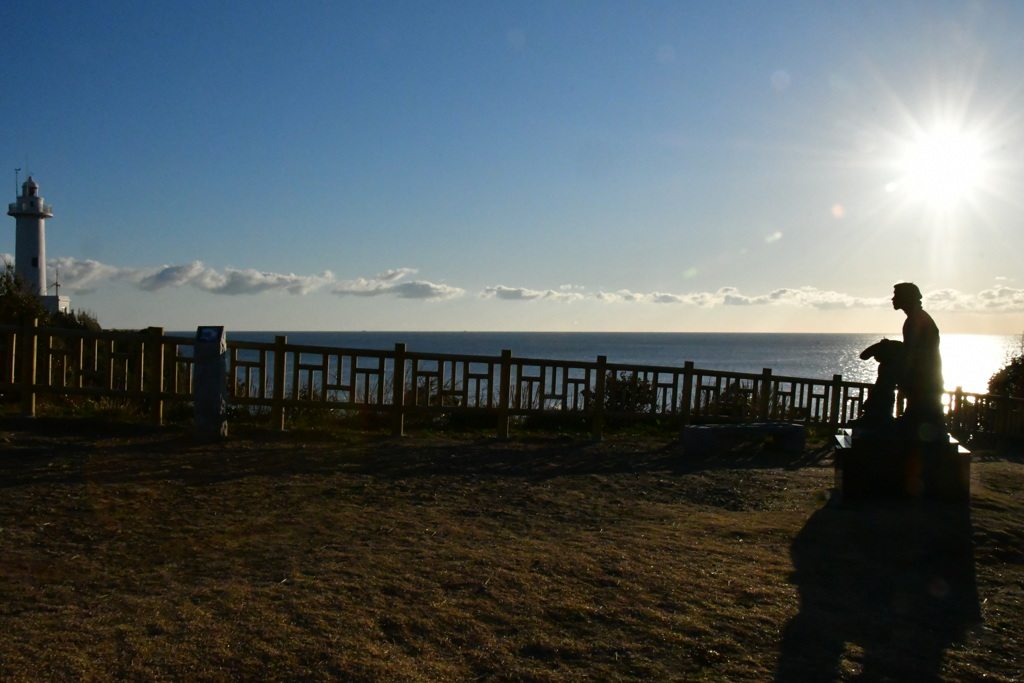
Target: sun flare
[943, 165]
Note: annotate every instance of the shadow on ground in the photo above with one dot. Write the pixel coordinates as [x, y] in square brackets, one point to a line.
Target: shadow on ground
[884, 589]
[56, 451]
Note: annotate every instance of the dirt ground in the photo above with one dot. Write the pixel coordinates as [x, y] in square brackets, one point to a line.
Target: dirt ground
[132, 553]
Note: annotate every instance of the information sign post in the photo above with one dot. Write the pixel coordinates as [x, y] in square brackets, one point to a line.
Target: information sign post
[210, 383]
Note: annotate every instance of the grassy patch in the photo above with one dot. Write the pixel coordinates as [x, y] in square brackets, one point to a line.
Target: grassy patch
[140, 554]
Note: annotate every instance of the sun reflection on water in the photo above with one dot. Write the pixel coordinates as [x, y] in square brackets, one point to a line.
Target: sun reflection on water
[969, 360]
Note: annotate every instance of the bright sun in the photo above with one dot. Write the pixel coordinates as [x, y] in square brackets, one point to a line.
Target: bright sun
[943, 165]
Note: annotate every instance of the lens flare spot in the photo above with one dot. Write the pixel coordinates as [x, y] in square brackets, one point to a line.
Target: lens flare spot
[781, 80]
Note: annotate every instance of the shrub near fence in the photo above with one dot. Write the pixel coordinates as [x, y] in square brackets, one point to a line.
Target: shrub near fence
[150, 369]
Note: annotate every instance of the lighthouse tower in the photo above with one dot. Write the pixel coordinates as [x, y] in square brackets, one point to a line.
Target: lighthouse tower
[30, 243]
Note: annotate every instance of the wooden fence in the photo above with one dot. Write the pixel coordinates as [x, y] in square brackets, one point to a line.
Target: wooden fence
[151, 369]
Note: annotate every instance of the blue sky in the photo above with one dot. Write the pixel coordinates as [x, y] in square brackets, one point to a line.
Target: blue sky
[636, 166]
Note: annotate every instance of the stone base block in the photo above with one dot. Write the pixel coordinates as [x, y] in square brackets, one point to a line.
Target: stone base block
[869, 468]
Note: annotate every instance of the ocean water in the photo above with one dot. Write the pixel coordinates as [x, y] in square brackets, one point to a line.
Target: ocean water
[968, 360]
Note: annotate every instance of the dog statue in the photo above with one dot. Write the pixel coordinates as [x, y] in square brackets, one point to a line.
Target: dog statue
[881, 401]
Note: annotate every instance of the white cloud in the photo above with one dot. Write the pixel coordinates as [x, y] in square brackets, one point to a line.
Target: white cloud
[231, 281]
[663, 298]
[995, 300]
[420, 289]
[394, 274]
[806, 297]
[251, 281]
[172, 276]
[627, 296]
[998, 299]
[387, 284]
[811, 297]
[83, 276]
[524, 294]
[621, 295]
[730, 296]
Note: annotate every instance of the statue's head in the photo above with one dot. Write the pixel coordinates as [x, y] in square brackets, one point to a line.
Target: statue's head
[906, 296]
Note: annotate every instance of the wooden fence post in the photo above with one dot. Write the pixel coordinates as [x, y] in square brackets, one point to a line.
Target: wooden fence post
[836, 402]
[155, 358]
[1003, 419]
[44, 361]
[686, 406]
[398, 392]
[28, 368]
[597, 428]
[277, 412]
[168, 353]
[504, 392]
[764, 397]
[956, 410]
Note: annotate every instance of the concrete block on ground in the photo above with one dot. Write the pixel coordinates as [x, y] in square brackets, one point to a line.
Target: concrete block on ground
[782, 436]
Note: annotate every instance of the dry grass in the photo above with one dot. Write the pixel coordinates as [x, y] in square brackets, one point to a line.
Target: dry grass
[141, 555]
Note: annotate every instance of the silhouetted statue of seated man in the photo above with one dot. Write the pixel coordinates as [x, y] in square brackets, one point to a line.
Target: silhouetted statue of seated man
[878, 408]
[921, 382]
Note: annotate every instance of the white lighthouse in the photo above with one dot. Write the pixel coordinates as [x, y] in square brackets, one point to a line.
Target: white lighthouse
[30, 244]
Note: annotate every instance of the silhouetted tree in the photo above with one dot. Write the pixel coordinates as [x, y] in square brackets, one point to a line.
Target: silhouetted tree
[1010, 380]
[19, 305]
[79, 320]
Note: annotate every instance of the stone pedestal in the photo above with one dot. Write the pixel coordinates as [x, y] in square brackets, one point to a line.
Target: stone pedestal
[872, 466]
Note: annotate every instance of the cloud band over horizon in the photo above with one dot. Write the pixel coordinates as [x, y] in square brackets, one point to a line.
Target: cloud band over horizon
[84, 276]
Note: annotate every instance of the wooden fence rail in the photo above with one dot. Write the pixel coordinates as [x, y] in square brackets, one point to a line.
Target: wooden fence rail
[152, 368]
